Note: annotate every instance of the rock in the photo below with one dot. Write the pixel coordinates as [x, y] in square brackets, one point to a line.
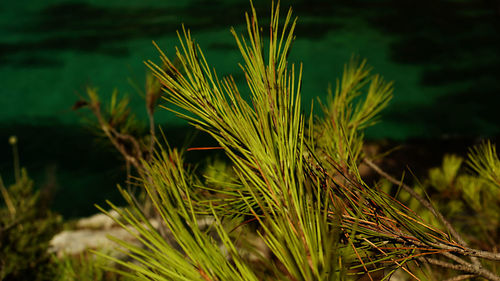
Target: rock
[92, 233]
[98, 221]
[74, 242]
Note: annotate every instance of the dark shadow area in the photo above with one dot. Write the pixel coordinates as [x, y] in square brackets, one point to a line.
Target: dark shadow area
[457, 45]
[469, 113]
[84, 173]
[416, 156]
[80, 170]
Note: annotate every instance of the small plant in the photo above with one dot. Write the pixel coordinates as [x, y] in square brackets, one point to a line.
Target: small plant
[26, 227]
[115, 122]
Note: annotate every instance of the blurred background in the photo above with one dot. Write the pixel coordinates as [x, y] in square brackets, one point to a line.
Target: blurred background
[442, 55]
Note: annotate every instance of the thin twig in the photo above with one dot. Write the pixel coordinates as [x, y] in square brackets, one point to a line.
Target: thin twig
[473, 253]
[461, 277]
[113, 136]
[15, 152]
[454, 258]
[152, 134]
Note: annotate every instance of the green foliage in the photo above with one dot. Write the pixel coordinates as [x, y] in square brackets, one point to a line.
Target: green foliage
[443, 178]
[302, 192]
[113, 116]
[349, 111]
[25, 231]
[483, 159]
[265, 144]
[470, 195]
[292, 184]
[169, 186]
[290, 204]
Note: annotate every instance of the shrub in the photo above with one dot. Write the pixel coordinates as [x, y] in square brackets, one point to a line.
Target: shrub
[26, 228]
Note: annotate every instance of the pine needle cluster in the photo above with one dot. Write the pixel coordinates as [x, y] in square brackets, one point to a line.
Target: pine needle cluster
[295, 183]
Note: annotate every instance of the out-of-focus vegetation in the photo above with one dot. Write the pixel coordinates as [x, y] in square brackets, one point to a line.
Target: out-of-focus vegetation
[85, 267]
[26, 227]
[469, 199]
[466, 193]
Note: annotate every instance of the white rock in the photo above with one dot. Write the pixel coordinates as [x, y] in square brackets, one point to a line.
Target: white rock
[98, 221]
[74, 242]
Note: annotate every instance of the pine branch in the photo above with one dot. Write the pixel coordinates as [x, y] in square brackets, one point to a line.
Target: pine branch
[302, 209]
[463, 249]
[420, 199]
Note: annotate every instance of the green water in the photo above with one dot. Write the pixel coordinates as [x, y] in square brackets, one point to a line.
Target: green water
[442, 55]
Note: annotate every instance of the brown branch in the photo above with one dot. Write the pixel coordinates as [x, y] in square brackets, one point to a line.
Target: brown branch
[469, 268]
[466, 251]
[454, 258]
[459, 249]
[447, 250]
[114, 135]
[151, 134]
[461, 277]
